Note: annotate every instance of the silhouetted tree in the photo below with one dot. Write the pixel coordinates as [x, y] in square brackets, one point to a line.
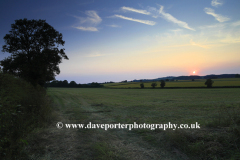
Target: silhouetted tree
[33, 45]
[154, 84]
[60, 83]
[65, 83]
[142, 85]
[162, 84]
[209, 83]
[95, 85]
[72, 84]
[54, 84]
[237, 76]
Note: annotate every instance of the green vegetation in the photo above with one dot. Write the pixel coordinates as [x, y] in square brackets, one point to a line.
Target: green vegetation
[209, 83]
[224, 82]
[162, 84]
[216, 110]
[104, 151]
[154, 84]
[72, 84]
[141, 85]
[23, 108]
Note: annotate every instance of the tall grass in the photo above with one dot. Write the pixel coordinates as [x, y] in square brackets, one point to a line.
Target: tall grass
[218, 139]
[22, 109]
[217, 110]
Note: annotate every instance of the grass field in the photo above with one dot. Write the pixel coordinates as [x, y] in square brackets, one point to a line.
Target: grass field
[216, 110]
[181, 83]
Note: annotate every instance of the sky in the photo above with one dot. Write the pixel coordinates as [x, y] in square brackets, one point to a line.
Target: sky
[116, 40]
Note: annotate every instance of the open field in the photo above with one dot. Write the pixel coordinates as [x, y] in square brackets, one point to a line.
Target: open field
[216, 110]
[181, 83]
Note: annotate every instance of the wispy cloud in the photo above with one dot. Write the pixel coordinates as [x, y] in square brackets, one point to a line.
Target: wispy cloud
[221, 33]
[154, 12]
[235, 24]
[89, 22]
[176, 30]
[170, 18]
[214, 26]
[92, 18]
[135, 10]
[135, 20]
[216, 3]
[199, 45]
[230, 40]
[87, 28]
[114, 26]
[218, 17]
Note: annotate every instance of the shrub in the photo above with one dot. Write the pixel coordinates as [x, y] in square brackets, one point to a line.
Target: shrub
[162, 83]
[154, 84]
[22, 108]
[209, 83]
[142, 85]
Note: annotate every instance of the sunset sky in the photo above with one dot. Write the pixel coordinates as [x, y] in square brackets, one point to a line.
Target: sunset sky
[115, 40]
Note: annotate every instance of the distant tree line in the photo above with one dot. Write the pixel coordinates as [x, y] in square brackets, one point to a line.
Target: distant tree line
[73, 84]
[154, 84]
[209, 82]
[125, 81]
[109, 82]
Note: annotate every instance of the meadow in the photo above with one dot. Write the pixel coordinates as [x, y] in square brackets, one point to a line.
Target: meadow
[216, 110]
[221, 82]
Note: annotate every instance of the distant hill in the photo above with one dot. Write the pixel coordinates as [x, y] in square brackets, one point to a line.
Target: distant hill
[171, 78]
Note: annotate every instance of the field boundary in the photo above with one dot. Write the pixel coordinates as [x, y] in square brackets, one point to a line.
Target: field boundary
[173, 87]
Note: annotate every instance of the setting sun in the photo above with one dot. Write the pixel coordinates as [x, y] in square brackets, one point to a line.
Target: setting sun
[194, 72]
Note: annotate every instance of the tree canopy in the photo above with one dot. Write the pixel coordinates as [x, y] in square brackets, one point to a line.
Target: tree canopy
[154, 84]
[209, 83]
[162, 84]
[73, 84]
[142, 85]
[33, 45]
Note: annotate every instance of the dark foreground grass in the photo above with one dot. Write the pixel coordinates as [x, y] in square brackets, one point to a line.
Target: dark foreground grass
[216, 110]
[23, 108]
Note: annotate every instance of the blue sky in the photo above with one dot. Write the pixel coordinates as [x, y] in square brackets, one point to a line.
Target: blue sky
[115, 40]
